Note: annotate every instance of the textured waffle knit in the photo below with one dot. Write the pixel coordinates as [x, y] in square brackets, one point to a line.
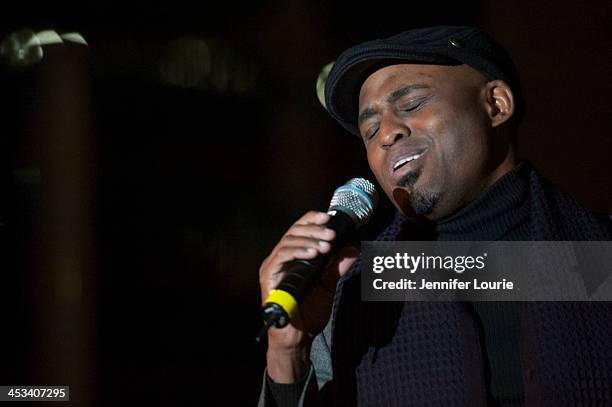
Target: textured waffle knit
[429, 354]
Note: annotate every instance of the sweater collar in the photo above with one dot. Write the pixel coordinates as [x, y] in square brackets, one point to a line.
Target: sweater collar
[499, 209]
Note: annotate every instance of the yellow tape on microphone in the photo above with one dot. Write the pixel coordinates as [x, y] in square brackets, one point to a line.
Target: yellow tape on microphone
[285, 300]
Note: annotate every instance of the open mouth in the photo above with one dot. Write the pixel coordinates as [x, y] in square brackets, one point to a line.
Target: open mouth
[403, 161]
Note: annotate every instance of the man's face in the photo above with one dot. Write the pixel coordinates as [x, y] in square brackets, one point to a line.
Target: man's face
[427, 135]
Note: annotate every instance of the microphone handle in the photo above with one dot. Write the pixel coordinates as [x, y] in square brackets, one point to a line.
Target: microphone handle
[301, 274]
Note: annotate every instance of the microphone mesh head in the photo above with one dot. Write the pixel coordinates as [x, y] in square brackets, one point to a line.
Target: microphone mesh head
[357, 198]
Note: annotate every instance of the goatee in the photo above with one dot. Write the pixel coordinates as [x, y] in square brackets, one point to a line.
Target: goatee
[421, 202]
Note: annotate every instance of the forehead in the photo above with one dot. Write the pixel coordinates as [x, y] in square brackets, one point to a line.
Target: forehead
[397, 73]
[388, 78]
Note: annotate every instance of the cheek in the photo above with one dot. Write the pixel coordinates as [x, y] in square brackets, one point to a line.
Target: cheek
[467, 144]
[430, 122]
[375, 162]
[457, 137]
[426, 119]
[433, 126]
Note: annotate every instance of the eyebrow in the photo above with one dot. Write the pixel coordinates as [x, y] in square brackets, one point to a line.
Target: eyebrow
[393, 97]
[397, 94]
[365, 115]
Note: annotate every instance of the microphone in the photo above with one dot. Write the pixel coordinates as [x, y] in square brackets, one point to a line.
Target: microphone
[351, 207]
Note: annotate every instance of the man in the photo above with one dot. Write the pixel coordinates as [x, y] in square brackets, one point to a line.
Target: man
[437, 110]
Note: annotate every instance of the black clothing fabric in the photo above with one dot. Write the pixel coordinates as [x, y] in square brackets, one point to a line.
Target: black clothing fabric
[500, 213]
[425, 354]
[287, 395]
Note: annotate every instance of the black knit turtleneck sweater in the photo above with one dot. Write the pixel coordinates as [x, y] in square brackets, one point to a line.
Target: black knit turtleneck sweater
[501, 213]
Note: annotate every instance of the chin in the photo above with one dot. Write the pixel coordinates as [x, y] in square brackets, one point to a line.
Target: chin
[424, 203]
[416, 203]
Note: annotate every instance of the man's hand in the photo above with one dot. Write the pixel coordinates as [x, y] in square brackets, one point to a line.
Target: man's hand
[289, 347]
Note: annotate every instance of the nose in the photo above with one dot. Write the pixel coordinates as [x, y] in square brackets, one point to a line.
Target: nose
[392, 129]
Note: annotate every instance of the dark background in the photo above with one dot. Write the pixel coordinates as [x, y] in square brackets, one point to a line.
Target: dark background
[145, 179]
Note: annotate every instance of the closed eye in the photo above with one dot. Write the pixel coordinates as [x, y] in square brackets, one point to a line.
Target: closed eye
[372, 131]
[413, 105]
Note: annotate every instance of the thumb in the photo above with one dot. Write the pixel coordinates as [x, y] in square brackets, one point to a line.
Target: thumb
[345, 258]
[338, 267]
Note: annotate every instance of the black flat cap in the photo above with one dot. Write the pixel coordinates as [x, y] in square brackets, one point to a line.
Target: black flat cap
[441, 45]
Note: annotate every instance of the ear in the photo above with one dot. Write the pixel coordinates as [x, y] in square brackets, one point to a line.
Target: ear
[499, 102]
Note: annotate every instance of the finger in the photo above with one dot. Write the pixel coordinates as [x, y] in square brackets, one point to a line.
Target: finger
[313, 218]
[318, 232]
[288, 253]
[291, 248]
[322, 246]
